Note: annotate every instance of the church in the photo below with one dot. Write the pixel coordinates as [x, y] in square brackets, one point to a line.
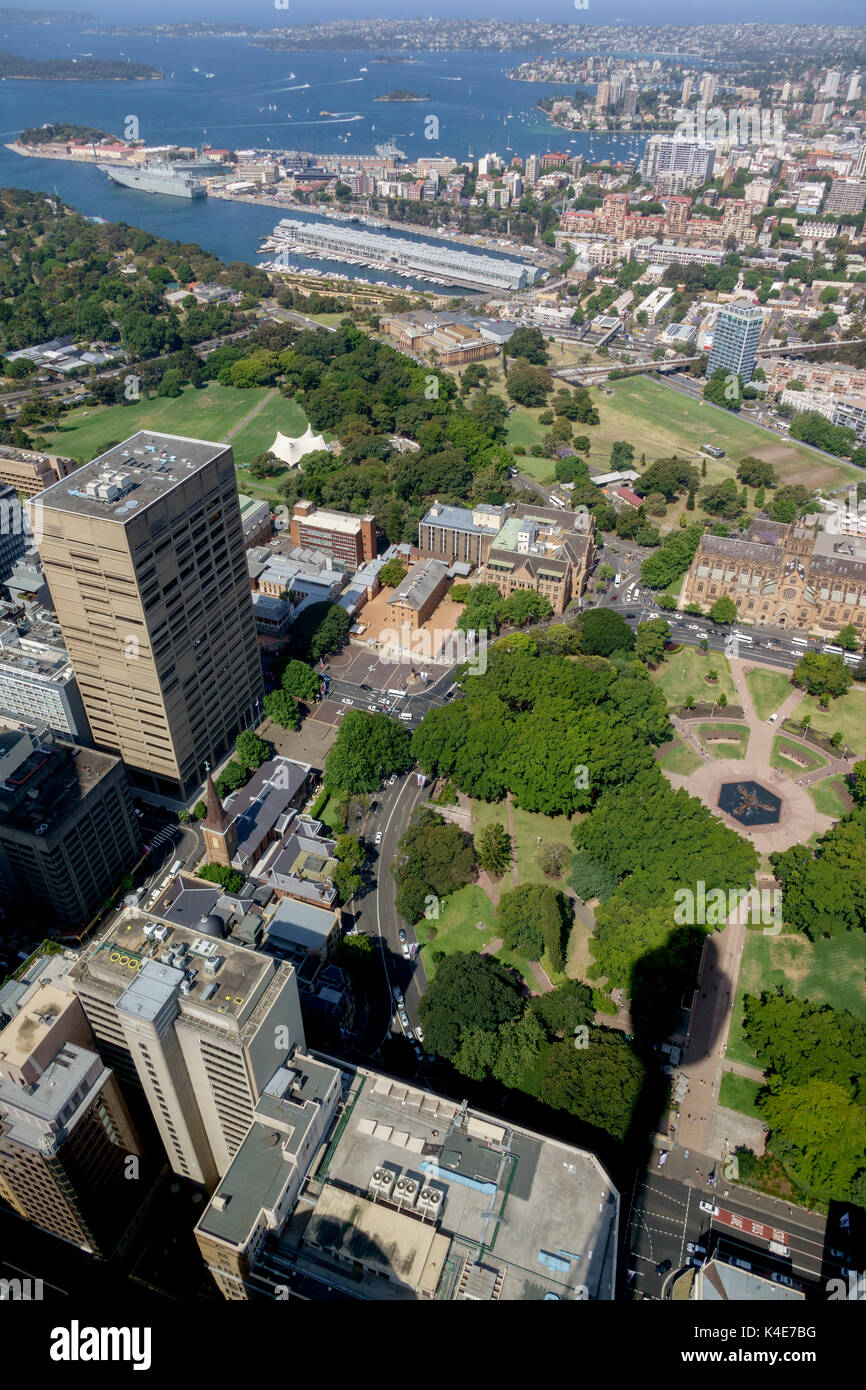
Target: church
[809, 574]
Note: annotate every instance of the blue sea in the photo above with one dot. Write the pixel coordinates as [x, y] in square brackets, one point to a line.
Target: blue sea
[477, 108]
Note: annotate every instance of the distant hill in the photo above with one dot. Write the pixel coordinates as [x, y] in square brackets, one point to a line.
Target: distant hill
[72, 69]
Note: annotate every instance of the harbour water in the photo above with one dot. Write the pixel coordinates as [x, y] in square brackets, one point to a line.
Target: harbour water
[470, 98]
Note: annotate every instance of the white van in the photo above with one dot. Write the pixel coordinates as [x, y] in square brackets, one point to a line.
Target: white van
[799, 642]
[176, 867]
[772, 719]
[617, 579]
[778, 1248]
[407, 714]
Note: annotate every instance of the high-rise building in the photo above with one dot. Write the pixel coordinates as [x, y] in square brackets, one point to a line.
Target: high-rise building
[532, 169]
[29, 472]
[831, 84]
[198, 1022]
[37, 684]
[15, 534]
[65, 1133]
[602, 96]
[853, 92]
[708, 89]
[666, 154]
[735, 340]
[144, 552]
[687, 90]
[67, 830]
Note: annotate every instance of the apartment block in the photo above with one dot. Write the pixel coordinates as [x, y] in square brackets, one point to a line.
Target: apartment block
[15, 534]
[735, 340]
[67, 831]
[144, 553]
[349, 538]
[65, 1133]
[197, 1022]
[460, 533]
[37, 684]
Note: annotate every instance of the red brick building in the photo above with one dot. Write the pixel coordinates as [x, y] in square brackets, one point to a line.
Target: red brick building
[349, 538]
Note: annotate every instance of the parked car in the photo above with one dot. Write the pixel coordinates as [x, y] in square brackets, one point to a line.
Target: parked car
[365, 686]
[708, 1208]
[694, 1249]
[378, 837]
[347, 701]
[419, 1032]
[782, 1279]
[392, 779]
[741, 1264]
[663, 1267]
[418, 1053]
[407, 954]
[404, 1018]
[402, 934]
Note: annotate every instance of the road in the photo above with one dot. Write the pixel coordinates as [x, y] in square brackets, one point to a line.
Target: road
[664, 1216]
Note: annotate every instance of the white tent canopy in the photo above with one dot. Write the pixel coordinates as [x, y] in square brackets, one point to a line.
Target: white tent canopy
[291, 451]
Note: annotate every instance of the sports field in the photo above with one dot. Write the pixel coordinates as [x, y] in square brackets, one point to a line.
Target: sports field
[826, 972]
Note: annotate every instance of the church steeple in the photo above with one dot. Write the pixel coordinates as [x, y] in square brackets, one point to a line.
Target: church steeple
[220, 836]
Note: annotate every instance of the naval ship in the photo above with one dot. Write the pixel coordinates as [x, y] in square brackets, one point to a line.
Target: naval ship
[389, 151]
[158, 177]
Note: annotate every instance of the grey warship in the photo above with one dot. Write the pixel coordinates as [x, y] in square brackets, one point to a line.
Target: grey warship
[157, 177]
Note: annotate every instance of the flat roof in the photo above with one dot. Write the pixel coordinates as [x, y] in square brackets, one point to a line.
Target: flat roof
[354, 1228]
[555, 1200]
[421, 581]
[145, 468]
[301, 924]
[59, 776]
[150, 990]
[43, 1103]
[32, 1022]
[324, 520]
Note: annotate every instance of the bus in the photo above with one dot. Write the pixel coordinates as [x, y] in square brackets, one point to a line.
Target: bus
[713, 451]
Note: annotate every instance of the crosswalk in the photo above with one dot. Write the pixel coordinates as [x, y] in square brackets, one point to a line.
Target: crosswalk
[162, 835]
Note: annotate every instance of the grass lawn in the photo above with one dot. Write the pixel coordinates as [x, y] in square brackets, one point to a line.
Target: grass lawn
[206, 414]
[825, 972]
[676, 687]
[831, 798]
[661, 421]
[528, 826]
[739, 1093]
[258, 435]
[456, 930]
[768, 689]
[680, 759]
[801, 759]
[730, 740]
[847, 715]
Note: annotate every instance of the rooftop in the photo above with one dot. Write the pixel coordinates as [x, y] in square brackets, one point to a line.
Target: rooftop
[50, 781]
[301, 925]
[324, 520]
[131, 476]
[421, 581]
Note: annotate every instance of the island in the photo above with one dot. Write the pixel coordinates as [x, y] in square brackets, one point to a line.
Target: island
[400, 94]
[11, 16]
[72, 69]
[59, 133]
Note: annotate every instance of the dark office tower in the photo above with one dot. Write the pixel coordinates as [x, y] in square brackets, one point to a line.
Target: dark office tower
[144, 552]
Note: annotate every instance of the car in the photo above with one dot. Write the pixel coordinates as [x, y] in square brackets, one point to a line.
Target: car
[407, 954]
[378, 837]
[404, 1018]
[419, 1032]
[772, 719]
[398, 996]
[347, 701]
[365, 686]
[392, 779]
[631, 615]
[140, 814]
[741, 1264]
[402, 934]
[694, 1249]
[782, 1279]
[371, 709]
[663, 1267]
[708, 1208]
[418, 1052]
[837, 1254]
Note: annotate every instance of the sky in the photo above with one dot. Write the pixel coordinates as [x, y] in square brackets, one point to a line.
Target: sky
[265, 13]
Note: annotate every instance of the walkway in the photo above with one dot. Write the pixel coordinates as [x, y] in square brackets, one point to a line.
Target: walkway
[250, 414]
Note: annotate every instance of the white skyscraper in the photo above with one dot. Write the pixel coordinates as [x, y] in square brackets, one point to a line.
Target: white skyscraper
[831, 83]
[853, 91]
[708, 89]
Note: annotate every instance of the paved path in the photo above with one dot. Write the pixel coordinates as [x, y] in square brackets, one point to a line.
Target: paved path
[250, 415]
[743, 1069]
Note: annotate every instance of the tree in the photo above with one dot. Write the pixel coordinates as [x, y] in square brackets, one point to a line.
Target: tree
[725, 389]
[651, 641]
[724, 610]
[815, 429]
[392, 573]
[436, 857]
[820, 1127]
[602, 631]
[553, 860]
[493, 848]
[251, 750]
[367, 748]
[822, 674]
[477, 1053]
[468, 991]
[533, 920]
[301, 682]
[518, 1045]
[283, 709]
[847, 638]
[524, 605]
[756, 472]
[528, 385]
[350, 856]
[722, 499]
[528, 343]
[232, 880]
[231, 778]
[320, 629]
[600, 1084]
[199, 810]
[563, 1009]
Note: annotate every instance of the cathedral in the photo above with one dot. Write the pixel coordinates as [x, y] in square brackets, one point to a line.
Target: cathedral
[810, 574]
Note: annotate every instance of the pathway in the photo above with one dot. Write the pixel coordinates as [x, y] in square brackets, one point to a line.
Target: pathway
[250, 414]
[513, 840]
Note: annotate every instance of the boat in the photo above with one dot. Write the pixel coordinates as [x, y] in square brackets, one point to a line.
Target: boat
[389, 151]
[210, 74]
[156, 177]
[362, 69]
